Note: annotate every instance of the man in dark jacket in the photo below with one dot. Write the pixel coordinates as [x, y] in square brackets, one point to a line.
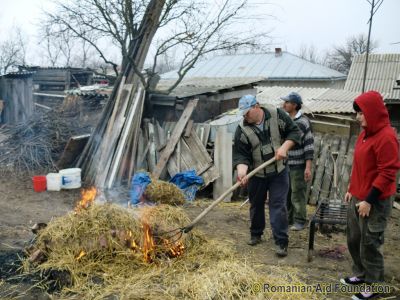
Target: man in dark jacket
[372, 183]
[264, 133]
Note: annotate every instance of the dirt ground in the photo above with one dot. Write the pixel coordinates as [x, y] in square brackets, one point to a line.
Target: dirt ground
[21, 207]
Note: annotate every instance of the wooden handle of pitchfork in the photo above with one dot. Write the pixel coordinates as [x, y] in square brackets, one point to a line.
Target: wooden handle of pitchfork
[222, 197]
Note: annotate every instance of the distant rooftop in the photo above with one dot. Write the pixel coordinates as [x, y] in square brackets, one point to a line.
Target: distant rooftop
[271, 66]
[383, 72]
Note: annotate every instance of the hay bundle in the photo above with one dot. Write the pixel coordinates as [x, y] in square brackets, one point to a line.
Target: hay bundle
[164, 192]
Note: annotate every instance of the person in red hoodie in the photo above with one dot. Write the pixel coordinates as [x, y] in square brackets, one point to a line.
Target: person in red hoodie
[372, 185]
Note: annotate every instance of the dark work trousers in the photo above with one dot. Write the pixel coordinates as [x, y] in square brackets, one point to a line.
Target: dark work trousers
[277, 186]
[365, 237]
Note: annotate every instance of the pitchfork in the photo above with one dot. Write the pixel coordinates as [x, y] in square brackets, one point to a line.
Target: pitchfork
[176, 234]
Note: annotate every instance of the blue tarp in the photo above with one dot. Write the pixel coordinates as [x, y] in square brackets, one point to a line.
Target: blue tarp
[140, 181]
[188, 182]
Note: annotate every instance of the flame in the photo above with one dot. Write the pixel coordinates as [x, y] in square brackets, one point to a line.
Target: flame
[87, 198]
[175, 249]
[131, 242]
[148, 243]
[81, 254]
[154, 246]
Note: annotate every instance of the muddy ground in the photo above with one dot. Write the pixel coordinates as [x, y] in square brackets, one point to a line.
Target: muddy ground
[21, 207]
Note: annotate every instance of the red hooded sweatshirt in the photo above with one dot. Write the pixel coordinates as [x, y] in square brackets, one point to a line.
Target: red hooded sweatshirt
[376, 153]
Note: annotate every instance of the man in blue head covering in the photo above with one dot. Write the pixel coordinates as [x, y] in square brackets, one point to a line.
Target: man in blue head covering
[265, 132]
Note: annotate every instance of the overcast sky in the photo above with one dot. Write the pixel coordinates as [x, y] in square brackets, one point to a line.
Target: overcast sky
[321, 23]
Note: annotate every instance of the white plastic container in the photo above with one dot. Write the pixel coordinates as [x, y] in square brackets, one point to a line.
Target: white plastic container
[53, 182]
[70, 178]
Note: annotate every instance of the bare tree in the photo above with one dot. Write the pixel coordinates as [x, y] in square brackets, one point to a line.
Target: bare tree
[191, 28]
[309, 53]
[340, 57]
[51, 46]
[12, 50]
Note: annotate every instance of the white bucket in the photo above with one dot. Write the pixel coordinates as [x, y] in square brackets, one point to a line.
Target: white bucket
[53, 182]
[70, 178]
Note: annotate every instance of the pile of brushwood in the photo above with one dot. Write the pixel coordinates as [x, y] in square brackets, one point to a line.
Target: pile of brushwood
[37, 144]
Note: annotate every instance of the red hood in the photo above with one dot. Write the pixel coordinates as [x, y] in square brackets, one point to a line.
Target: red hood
[374, 110]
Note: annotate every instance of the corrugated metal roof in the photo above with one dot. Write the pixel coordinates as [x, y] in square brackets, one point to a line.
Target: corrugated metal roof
[382, 72]
[316, 100]
[20, 74]
[267, 65]
[197, 86]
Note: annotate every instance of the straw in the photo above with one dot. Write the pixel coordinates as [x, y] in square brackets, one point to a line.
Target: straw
[110, 267]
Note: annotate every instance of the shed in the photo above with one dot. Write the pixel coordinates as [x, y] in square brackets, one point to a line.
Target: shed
[58, 79]
[17, 97]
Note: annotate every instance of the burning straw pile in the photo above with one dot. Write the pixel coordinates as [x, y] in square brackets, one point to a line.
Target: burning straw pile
[109, 251]
[37, 143]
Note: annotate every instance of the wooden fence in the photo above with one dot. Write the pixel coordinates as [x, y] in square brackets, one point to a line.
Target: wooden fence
[320, 186]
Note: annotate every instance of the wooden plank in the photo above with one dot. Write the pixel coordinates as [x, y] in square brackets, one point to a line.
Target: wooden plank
[223, 162]
[135, 140]
[328, 174]
[317, 150]
[347, 166]
[194, 156]
[316, 187]
[188, 129]
[72, 150]
[161, 143]
[115, 124]
[151, 156]
[202, 156]
[172, 165]
[207, 130]
[141, 162]
[195, 143]
[340, 161]
[125, 132]
[169, 149]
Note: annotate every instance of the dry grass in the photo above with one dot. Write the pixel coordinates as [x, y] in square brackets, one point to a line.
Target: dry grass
[111, 267]
[164, 192]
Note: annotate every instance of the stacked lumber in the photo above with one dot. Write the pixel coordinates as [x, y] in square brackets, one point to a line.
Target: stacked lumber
[167, 150]
[109, 156]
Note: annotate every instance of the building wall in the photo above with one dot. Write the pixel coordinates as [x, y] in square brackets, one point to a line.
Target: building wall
[17, 95]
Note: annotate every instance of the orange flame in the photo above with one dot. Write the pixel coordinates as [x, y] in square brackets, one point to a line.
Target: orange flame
[87, 198]
[81, 254]
[175, 250]
[156, 246]
[148, 243]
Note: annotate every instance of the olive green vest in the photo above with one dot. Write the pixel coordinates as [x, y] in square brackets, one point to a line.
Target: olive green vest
[262, 152]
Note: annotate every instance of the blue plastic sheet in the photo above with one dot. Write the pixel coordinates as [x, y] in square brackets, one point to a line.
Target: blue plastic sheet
[140, 181]
[188, 182]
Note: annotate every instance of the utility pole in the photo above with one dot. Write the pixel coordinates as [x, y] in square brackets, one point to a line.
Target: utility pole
[373, 11]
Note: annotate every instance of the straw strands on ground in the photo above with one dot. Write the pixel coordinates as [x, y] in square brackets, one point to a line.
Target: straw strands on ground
[37, 143]
[93, 247]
